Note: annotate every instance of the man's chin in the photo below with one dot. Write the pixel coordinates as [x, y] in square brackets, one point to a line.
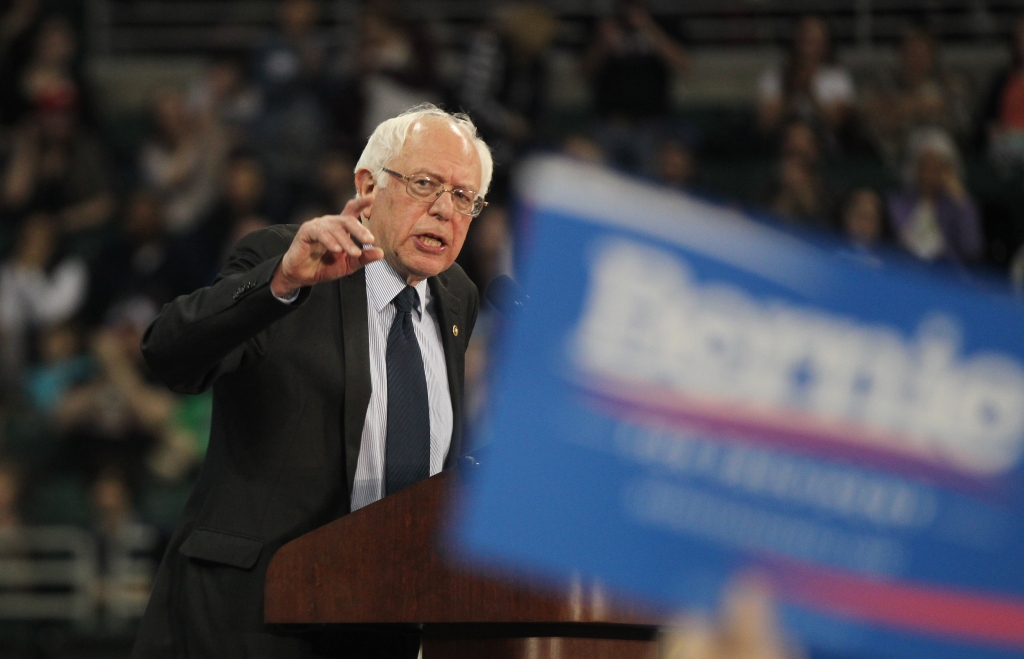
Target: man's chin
[421, 266]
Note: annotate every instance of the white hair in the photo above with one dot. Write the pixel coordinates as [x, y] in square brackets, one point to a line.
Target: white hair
[930, 140]
[389, 137]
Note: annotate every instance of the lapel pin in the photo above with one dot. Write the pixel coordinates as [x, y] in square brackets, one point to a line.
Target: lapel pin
[455, 330]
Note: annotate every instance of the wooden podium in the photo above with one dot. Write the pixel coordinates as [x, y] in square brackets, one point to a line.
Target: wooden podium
[389, 566]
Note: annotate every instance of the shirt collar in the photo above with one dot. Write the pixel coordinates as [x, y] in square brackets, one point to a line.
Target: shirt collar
[383, 284]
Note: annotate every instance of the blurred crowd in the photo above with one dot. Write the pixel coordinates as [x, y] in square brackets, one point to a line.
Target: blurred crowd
[96, 237]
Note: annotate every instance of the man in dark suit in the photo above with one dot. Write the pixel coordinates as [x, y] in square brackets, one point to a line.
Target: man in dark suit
[335, 351]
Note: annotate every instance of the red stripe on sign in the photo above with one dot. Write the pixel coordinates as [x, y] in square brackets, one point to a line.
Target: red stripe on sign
[903, 605]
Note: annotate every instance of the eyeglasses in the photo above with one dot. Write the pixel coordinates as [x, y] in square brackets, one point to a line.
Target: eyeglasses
[424, 188]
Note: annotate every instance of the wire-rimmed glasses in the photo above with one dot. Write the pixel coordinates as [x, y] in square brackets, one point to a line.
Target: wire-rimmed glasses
[425, 188]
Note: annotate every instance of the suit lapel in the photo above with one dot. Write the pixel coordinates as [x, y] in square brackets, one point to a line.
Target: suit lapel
[450, 315]
[355, 337]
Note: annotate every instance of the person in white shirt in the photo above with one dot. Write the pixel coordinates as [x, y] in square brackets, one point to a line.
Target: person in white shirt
[809, 86]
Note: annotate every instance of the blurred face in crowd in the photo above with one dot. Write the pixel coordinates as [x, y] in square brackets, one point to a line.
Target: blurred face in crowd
[37, 243]
[529, 26]
[584, 149]
[244, 185]
[421, 239]
[56, 43]
[490, 238]
[917, 56]
[675, 163]
[143, 219]
[10, 489]
[298, 16]
[795, 175]
[112, 500]
[801, 142]
[862, 218]
[812, 40]
[59, 344]
[933, 172]
[336, 175]
[56, 127]
[225, 79]
[170, 114]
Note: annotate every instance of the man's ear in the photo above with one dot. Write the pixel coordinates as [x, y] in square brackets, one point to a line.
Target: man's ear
[366, 186]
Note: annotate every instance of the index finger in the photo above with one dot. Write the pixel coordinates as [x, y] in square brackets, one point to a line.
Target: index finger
[352, 225]
[355, 206]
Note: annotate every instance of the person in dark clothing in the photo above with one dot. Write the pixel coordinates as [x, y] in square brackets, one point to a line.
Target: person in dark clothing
[811, 87]
[631, 63]
[18, 29]
[140, 265]
[295, 339]
[803, 194]
[505, 76]
[1002, 117]
[59, 168]
[240, 203]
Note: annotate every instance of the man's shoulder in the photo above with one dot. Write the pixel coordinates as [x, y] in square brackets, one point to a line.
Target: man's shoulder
[274, 233]
[456, 279]
[266, 242]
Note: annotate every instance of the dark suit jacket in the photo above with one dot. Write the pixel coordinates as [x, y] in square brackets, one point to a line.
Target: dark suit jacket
[291, 386]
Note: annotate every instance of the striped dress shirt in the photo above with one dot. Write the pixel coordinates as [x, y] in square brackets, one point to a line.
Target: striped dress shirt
[382, 285]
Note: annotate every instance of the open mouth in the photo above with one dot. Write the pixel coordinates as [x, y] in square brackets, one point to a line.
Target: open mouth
[430, 240]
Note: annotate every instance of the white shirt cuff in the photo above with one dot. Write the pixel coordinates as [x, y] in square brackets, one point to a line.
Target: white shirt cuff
[287, 299]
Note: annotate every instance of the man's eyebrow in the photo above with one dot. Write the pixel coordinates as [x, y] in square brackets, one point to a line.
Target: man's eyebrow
[442, 179]
[431, 174]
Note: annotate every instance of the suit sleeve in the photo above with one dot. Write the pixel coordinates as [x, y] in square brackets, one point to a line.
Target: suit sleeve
[216, 330]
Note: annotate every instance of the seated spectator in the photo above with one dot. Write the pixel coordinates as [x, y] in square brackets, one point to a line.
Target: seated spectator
[111, 499]
[631, 62]
[503, 83]
[289, 134]
[10, 497]
[395, 63]
[243, 228]
[224, 98]
[120, 418]
[1003, 115]
[337, 186]
[126, 546]
[38, 288]
[240, 206]
[676, 165]
[489, 247]
[294, 56]
[810, 86]
[57, 168]
[802, 194]
[53, 79]
[934, 216]
[140, 263]
[18, 28]
[181, 161]
[863, 219]
[919, 95]
[584, 149]
[61, 366]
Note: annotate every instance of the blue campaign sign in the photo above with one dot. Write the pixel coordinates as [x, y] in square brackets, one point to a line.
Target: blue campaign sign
[689, 394]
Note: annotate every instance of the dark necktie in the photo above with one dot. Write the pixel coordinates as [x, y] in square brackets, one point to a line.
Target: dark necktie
[408, 440]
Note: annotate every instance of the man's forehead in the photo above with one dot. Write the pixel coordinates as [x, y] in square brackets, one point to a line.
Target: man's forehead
[438, 147]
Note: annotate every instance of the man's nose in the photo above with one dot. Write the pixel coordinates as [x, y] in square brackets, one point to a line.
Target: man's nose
[443, 206]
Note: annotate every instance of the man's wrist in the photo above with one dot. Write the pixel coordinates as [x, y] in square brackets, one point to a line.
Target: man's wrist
[282, 288]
